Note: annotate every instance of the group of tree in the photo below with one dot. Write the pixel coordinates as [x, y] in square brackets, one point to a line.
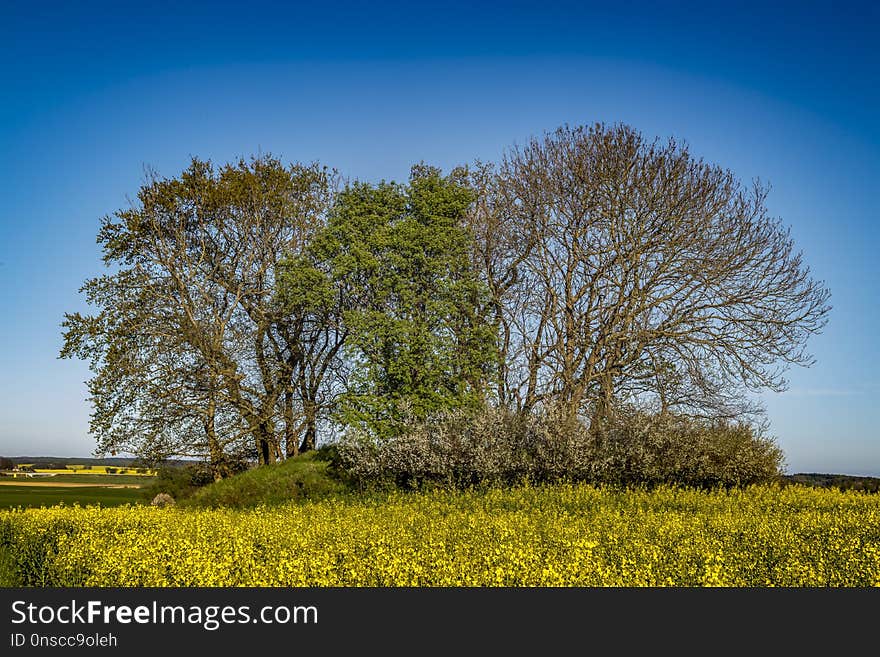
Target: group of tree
[251, 307]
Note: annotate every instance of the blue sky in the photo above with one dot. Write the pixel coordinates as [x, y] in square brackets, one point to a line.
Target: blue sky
[94, 92]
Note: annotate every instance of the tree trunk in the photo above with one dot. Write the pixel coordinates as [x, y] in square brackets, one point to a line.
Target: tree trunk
[215, 452]
[603, 410]
[310, 410]
[291, 444]
[264, 441]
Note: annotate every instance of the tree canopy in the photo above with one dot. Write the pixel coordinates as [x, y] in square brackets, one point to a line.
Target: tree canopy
[247, 307]
[191, 352]
[625, 269]
[400, 257]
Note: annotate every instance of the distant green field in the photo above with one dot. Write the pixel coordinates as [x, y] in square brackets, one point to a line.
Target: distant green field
[35, 496]
[103, 479]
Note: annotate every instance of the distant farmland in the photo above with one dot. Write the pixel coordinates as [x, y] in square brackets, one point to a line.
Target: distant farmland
[103, 485]
[44, 495]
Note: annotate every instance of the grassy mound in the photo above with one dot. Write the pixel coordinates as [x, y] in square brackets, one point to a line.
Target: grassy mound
[304, 477]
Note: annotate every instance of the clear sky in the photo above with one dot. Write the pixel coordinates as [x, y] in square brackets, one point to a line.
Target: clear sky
[94, 92]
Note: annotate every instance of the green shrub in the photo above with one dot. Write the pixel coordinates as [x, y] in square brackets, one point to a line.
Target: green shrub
[178, 481]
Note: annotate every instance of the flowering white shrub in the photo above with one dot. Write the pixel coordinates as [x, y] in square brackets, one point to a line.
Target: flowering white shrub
[498, 446]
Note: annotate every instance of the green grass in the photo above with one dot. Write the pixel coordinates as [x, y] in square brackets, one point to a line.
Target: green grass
[301, 478]
[36, 496]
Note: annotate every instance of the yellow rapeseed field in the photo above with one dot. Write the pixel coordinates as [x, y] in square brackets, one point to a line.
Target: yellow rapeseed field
[544, 536]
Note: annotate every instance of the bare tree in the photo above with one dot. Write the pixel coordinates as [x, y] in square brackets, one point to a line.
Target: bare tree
[627, 268]
[502, 242]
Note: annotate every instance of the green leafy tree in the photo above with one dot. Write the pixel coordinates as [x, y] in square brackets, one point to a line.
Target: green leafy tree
[190, 352]
[398, 259]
